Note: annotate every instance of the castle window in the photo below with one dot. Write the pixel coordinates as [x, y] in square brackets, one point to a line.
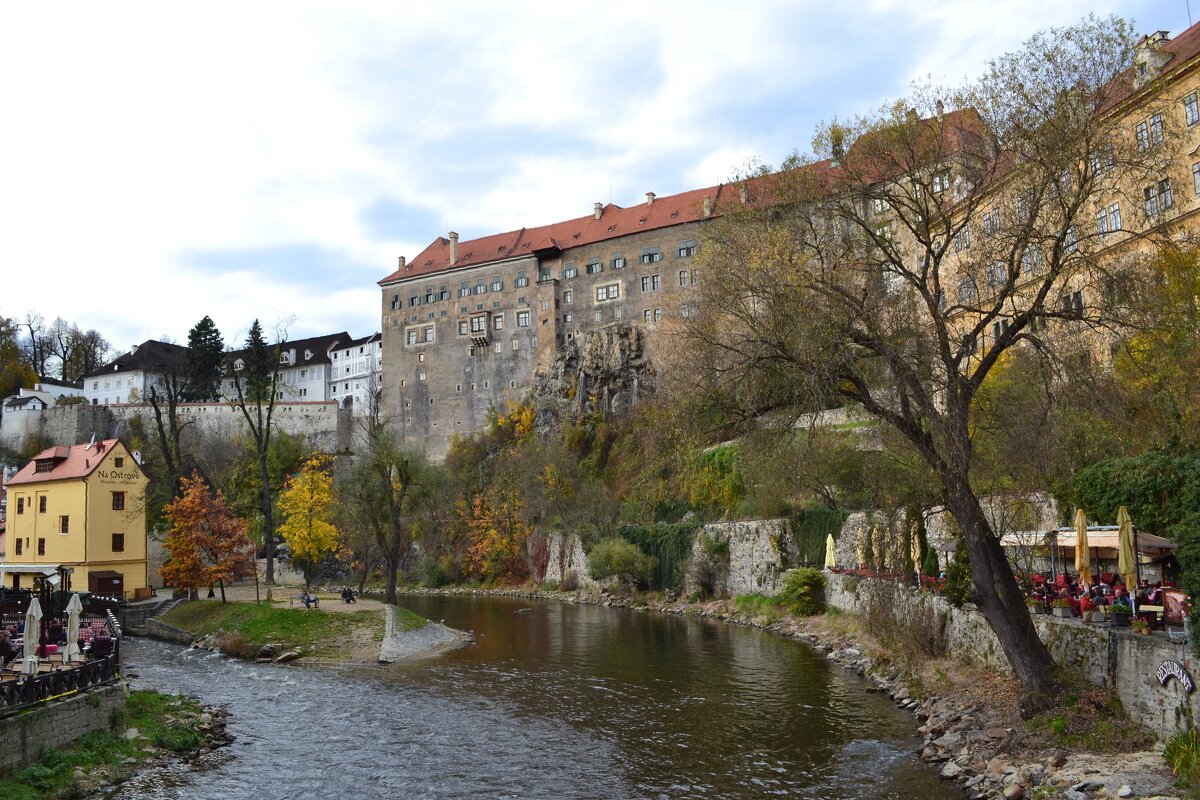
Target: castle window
[516, 344]
[594, 266]
[478, 324]
[608, 292]
[118, 543]
[462, 327]
[41, 547]
[568, 296]
[464, 289]
[618, 261]
[498, 322]
[521, 280]
[395, 302]
[497, 284]
[1156, 129]
[687, 248]
[651, 254]
[480, 286]
[414, 300]
[118, 501]
[569, 270]
[20, 505]
[683, 277]
[522, 319]
[429, 295]
[42, 504]
[410, 336]
[443, 294]
[651, 283]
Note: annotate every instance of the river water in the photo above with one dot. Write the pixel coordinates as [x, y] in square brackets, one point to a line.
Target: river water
[554, 701]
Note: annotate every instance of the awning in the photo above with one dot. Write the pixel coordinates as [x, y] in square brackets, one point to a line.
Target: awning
[28, 569]
[1101, 537]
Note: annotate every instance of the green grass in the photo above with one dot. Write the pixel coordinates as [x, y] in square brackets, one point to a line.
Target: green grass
[249, 626]
[1183, 754]
[759, 605]
[165, 721]
[406, 620]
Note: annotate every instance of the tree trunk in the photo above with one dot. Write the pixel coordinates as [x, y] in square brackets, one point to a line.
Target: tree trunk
[999, 598]
[362, 579]
[392, 564]
[268, 518]
[221, 583]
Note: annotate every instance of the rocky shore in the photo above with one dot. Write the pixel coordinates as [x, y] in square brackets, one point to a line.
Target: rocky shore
[979, 746]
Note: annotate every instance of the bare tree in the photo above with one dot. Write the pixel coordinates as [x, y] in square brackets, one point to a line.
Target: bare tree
[894, 273]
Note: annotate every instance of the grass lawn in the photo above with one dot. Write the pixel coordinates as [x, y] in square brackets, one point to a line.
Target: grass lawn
[249, 626]
[164, 721]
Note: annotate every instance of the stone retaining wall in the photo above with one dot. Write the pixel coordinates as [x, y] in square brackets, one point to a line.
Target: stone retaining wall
[157, 629]
[759, 552]
[56, 724]
[1101, 654]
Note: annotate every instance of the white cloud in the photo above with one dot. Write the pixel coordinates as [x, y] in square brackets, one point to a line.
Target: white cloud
[138, 135]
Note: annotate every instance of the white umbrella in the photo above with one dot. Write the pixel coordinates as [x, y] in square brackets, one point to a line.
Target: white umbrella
[74, 609]
[33, 621]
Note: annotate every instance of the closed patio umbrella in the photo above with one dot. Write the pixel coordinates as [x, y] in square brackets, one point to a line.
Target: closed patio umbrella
[1126, 557]
[74, 609]
[830, 556]
[33, 628]
[1083, 559]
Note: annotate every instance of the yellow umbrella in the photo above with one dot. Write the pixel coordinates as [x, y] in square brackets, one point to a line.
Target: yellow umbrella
[1083, 560]
[1126, 558]
[830, 557]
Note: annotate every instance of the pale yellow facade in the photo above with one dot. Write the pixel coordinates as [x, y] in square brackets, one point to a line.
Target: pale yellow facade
[93, 524]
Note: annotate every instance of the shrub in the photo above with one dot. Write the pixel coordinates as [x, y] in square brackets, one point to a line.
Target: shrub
[708, 568]
[803, 591]
[1183, 754]
[570, 581]
[908, 624]
[958, 577]
[617, 558]
[432, 574]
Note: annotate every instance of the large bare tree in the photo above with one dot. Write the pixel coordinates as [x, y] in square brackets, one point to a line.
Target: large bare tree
[895, 268]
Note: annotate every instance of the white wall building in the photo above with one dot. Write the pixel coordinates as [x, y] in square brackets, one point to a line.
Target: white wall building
[355, 373]
[128, 378]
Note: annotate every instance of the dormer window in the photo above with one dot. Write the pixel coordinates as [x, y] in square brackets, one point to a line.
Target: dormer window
[239, 365]
[285, 358]
[308, 354]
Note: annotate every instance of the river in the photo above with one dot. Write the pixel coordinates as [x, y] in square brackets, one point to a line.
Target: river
[554, 701]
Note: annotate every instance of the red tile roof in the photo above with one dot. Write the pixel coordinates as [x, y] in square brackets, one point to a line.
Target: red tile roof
[78, 461]
[614, 223]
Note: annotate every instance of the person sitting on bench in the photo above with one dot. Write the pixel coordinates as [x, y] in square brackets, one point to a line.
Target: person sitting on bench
[311, 601]
[348, 595]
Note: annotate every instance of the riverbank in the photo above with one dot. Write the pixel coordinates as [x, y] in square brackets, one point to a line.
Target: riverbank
[967, 715]
[332, 633]
[152, 729]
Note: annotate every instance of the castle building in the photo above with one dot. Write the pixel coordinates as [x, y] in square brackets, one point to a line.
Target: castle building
[468, 323]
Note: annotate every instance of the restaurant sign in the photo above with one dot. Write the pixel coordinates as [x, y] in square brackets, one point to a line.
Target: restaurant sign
[1173, 669]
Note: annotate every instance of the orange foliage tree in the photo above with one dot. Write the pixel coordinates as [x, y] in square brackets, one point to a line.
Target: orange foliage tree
[497, 536]
[207, 544]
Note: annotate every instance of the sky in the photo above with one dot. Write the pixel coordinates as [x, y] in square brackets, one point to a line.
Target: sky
[160, 162]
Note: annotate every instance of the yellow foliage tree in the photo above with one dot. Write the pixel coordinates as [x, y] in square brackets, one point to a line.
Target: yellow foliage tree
[306, 504]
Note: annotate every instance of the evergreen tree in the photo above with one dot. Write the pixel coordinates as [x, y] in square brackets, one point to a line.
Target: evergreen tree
[202, 365]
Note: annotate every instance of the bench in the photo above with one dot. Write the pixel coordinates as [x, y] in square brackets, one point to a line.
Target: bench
[315, 602]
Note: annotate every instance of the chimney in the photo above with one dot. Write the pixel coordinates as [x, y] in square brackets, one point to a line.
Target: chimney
[1149, 58]
[742, 194]
[941, 110]
[649, 198]
[453, 248]
[402, 267]
[597, 210]
[911, 117]
[707, 206]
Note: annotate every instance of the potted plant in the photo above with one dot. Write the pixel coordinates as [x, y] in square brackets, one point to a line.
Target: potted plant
[1061, 608]
[1035, 605]
[1119, 615]
[1141, 627]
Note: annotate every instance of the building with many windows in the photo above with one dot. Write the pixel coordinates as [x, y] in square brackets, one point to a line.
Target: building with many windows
[82, 508]
[467, 323]
[129, 377]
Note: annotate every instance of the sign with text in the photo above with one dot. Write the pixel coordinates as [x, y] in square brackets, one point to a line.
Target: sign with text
[1173, 669]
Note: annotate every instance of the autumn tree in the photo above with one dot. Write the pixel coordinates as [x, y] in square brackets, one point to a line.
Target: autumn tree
[306, 505]
[895, 269]
[206, 543]
[14, 372]
[497, 534]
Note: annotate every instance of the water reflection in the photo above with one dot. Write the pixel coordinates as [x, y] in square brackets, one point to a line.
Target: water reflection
[555, 701]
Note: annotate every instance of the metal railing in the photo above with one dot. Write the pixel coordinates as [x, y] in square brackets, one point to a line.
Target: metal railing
[24, 691]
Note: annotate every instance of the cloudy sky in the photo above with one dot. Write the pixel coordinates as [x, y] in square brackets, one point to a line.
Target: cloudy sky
[163, 161]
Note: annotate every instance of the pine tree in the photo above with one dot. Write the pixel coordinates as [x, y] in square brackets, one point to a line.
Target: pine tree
[202, 364]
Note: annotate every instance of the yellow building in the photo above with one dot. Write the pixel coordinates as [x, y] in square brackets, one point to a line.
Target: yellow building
[82, 509]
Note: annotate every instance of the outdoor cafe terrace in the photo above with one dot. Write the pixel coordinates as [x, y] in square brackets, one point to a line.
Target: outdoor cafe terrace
[44, 667]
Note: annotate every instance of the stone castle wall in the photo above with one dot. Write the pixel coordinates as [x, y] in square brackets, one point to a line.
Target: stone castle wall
[322, 425]
[1100, 654]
